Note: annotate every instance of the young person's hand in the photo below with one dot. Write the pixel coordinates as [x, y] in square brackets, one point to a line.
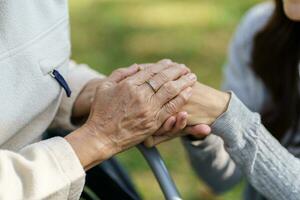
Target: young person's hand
[203, 108]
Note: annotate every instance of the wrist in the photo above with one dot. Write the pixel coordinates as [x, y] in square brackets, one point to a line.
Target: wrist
[222, 106]
[90, 146]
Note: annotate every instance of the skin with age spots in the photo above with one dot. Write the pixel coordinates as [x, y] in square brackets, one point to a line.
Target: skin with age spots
[126, 110]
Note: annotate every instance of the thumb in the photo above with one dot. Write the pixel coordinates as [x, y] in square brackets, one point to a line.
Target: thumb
[201, 130]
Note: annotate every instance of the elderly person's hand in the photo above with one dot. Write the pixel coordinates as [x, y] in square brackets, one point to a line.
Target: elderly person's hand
[202, 109]
[126, 112]
[83, 103]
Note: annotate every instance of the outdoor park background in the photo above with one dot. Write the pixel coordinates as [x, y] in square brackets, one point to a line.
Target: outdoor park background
[108, 34]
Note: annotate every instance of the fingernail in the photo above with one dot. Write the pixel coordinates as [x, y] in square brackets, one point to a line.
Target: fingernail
[192, 76]
[184, 115]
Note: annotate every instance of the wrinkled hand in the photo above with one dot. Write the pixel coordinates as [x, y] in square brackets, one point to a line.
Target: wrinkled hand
[126, 112]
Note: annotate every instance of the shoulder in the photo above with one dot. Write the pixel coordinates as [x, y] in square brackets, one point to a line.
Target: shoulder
[259, 14]
[253, 22]
[239, 76]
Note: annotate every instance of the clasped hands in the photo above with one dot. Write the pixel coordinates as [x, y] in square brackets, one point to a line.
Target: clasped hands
[148, 103]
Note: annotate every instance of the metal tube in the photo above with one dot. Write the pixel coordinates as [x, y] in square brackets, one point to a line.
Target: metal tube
[160, 171]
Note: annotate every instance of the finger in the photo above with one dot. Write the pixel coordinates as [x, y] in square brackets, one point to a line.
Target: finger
[163, 61]
[172, 88]
[170, 62]
[167, 126]
[166, 61]
[107, 83]
[176, 131]
[177, 125]
[145, 65]
[175, 104]
[166, 75]
[122, 73]
[201, 130]
[145, 74]
[181, 121]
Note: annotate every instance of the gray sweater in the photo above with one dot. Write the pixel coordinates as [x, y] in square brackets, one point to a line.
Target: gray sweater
[241, 146]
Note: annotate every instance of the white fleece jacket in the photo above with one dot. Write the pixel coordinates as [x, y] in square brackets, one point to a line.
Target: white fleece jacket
[34, 39]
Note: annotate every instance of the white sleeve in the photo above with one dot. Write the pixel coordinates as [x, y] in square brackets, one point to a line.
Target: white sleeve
[48, 169]
[79, 75]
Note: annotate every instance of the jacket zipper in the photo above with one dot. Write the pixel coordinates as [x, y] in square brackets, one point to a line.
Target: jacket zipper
[61, 81]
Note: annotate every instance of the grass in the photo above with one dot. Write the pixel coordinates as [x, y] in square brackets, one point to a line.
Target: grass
[107, 34]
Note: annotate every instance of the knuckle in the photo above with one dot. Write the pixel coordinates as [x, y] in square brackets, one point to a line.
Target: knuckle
[158, 67]
[171, 107]
[183, 98]
[186, 79]
[150, 71]
[166, 61]
[104, 85]
[162, 77]
[119, 72]
[182, 68]
[171, 88]
[128, 85]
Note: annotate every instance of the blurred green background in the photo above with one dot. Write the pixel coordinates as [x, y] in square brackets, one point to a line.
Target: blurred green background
[108, 34]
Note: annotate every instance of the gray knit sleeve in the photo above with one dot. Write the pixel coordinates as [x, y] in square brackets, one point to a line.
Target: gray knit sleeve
[238, 74]
[268, 166]
[209, 158]
[212, 163]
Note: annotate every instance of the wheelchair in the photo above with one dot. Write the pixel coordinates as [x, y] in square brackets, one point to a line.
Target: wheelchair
[110, 181]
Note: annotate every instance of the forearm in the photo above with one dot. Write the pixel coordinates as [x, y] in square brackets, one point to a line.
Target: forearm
[271, 169]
